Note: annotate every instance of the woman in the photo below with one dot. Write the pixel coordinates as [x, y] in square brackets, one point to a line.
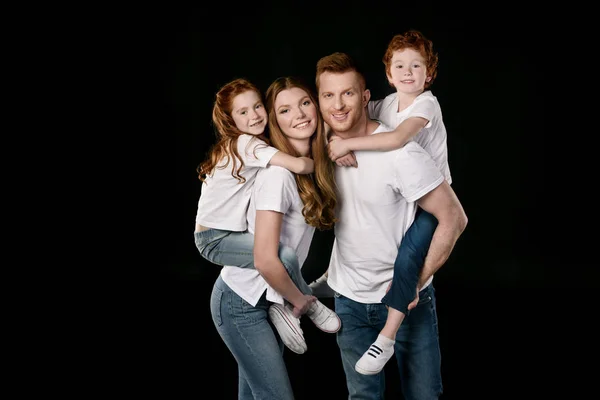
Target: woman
[283, 208]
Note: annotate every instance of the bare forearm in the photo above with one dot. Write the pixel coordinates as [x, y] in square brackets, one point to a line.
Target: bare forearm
[386, 141]
[278, 278]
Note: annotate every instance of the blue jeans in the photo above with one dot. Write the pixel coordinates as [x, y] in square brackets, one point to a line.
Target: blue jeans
[236, 248]
[409, 261]
[249, 335]
[417, 348]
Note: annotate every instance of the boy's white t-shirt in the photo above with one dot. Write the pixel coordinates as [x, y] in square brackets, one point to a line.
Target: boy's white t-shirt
[376, 206]
[223, 199]
[275, 189]
[432, 137]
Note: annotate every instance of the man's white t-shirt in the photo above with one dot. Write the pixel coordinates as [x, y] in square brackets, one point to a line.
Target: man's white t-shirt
[224, 200]
[376, 206]
[432, 137]
[275, 189]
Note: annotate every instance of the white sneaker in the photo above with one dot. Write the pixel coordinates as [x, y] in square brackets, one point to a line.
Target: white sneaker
[320, 288]
[374, 359]
[288, 327]
[324, 318]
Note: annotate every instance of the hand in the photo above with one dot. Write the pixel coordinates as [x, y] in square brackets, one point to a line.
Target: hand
[309, 166]
[336, 148]
[349, 160]
[301, 307]
[414, 303]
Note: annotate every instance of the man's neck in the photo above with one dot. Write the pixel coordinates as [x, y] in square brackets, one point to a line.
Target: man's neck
[362, 128]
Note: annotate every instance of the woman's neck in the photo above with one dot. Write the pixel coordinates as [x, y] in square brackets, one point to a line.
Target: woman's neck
[302, 146]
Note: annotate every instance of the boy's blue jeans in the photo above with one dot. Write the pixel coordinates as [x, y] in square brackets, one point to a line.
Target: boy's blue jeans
[236, 249]
[409, 261]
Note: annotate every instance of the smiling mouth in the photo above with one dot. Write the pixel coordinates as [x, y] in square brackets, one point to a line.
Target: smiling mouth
[256, 123]
[302, 125]
[340, 117]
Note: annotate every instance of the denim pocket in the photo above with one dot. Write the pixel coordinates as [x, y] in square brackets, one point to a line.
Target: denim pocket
[425, 299]
[216, 305]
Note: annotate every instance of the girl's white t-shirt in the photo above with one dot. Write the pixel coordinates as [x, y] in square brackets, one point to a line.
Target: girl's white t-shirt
[223, 199]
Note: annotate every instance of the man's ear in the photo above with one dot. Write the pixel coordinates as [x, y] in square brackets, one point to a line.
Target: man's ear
[366, 97]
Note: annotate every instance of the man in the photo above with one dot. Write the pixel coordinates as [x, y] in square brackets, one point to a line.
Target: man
[377, 203]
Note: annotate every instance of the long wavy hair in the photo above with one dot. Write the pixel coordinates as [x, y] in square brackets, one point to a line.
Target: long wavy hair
[317, 190]
[413, 39]
[225, 149]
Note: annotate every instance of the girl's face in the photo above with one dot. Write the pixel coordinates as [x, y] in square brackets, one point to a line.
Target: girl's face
[408, 71]
[296, 114]
[249, 113]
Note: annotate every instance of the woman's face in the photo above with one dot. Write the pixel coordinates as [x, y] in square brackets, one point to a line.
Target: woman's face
[296, 114]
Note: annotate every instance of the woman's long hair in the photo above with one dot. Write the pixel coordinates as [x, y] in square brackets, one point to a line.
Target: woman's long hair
[317, 190]
[225, 149]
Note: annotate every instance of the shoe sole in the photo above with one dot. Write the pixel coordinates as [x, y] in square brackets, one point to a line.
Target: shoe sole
[277, 315]
[366, 372]
[326, 331]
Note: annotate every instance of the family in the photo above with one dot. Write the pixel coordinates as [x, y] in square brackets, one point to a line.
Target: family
[377, 172]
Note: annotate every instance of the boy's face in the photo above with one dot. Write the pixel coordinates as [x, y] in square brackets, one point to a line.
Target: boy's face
[408, 71]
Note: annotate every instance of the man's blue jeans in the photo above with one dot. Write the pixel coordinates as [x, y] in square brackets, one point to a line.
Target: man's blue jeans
[258, 351]
[417, 349]
[409, 261]
[236, 249]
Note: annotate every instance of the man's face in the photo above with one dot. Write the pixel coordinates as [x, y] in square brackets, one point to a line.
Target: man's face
[342, 100]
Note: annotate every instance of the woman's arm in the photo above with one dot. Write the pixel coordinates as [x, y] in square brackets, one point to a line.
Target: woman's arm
[298, 165]
[383, 141]
[266, 260]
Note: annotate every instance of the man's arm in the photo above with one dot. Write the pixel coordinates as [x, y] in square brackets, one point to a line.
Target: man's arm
[444, 205]
[383, 141]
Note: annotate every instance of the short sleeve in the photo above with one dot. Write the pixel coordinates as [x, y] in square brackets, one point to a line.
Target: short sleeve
[273, 189]
[254, 151]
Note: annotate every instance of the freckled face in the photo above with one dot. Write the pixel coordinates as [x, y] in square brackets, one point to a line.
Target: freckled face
[249, 113]
[408, 71]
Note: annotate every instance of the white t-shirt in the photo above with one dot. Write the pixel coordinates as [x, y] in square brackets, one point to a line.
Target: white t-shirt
[432, 137]
[275, 189]
[376, 206]
[223, 199]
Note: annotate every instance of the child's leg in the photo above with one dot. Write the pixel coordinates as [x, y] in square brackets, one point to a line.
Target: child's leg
[225, 247]
[409, 261]
[236, 249]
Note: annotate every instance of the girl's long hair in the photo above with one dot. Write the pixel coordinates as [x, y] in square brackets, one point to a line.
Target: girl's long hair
[317, 190]
[225, 149]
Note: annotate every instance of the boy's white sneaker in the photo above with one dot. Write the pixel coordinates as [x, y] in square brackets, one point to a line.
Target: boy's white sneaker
[374, 359]
[288, 327]
[324, 318]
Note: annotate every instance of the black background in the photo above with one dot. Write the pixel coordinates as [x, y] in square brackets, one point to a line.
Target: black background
[515, 283]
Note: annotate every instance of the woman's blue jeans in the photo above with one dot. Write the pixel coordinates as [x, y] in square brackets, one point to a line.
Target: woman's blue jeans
[251, 339]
